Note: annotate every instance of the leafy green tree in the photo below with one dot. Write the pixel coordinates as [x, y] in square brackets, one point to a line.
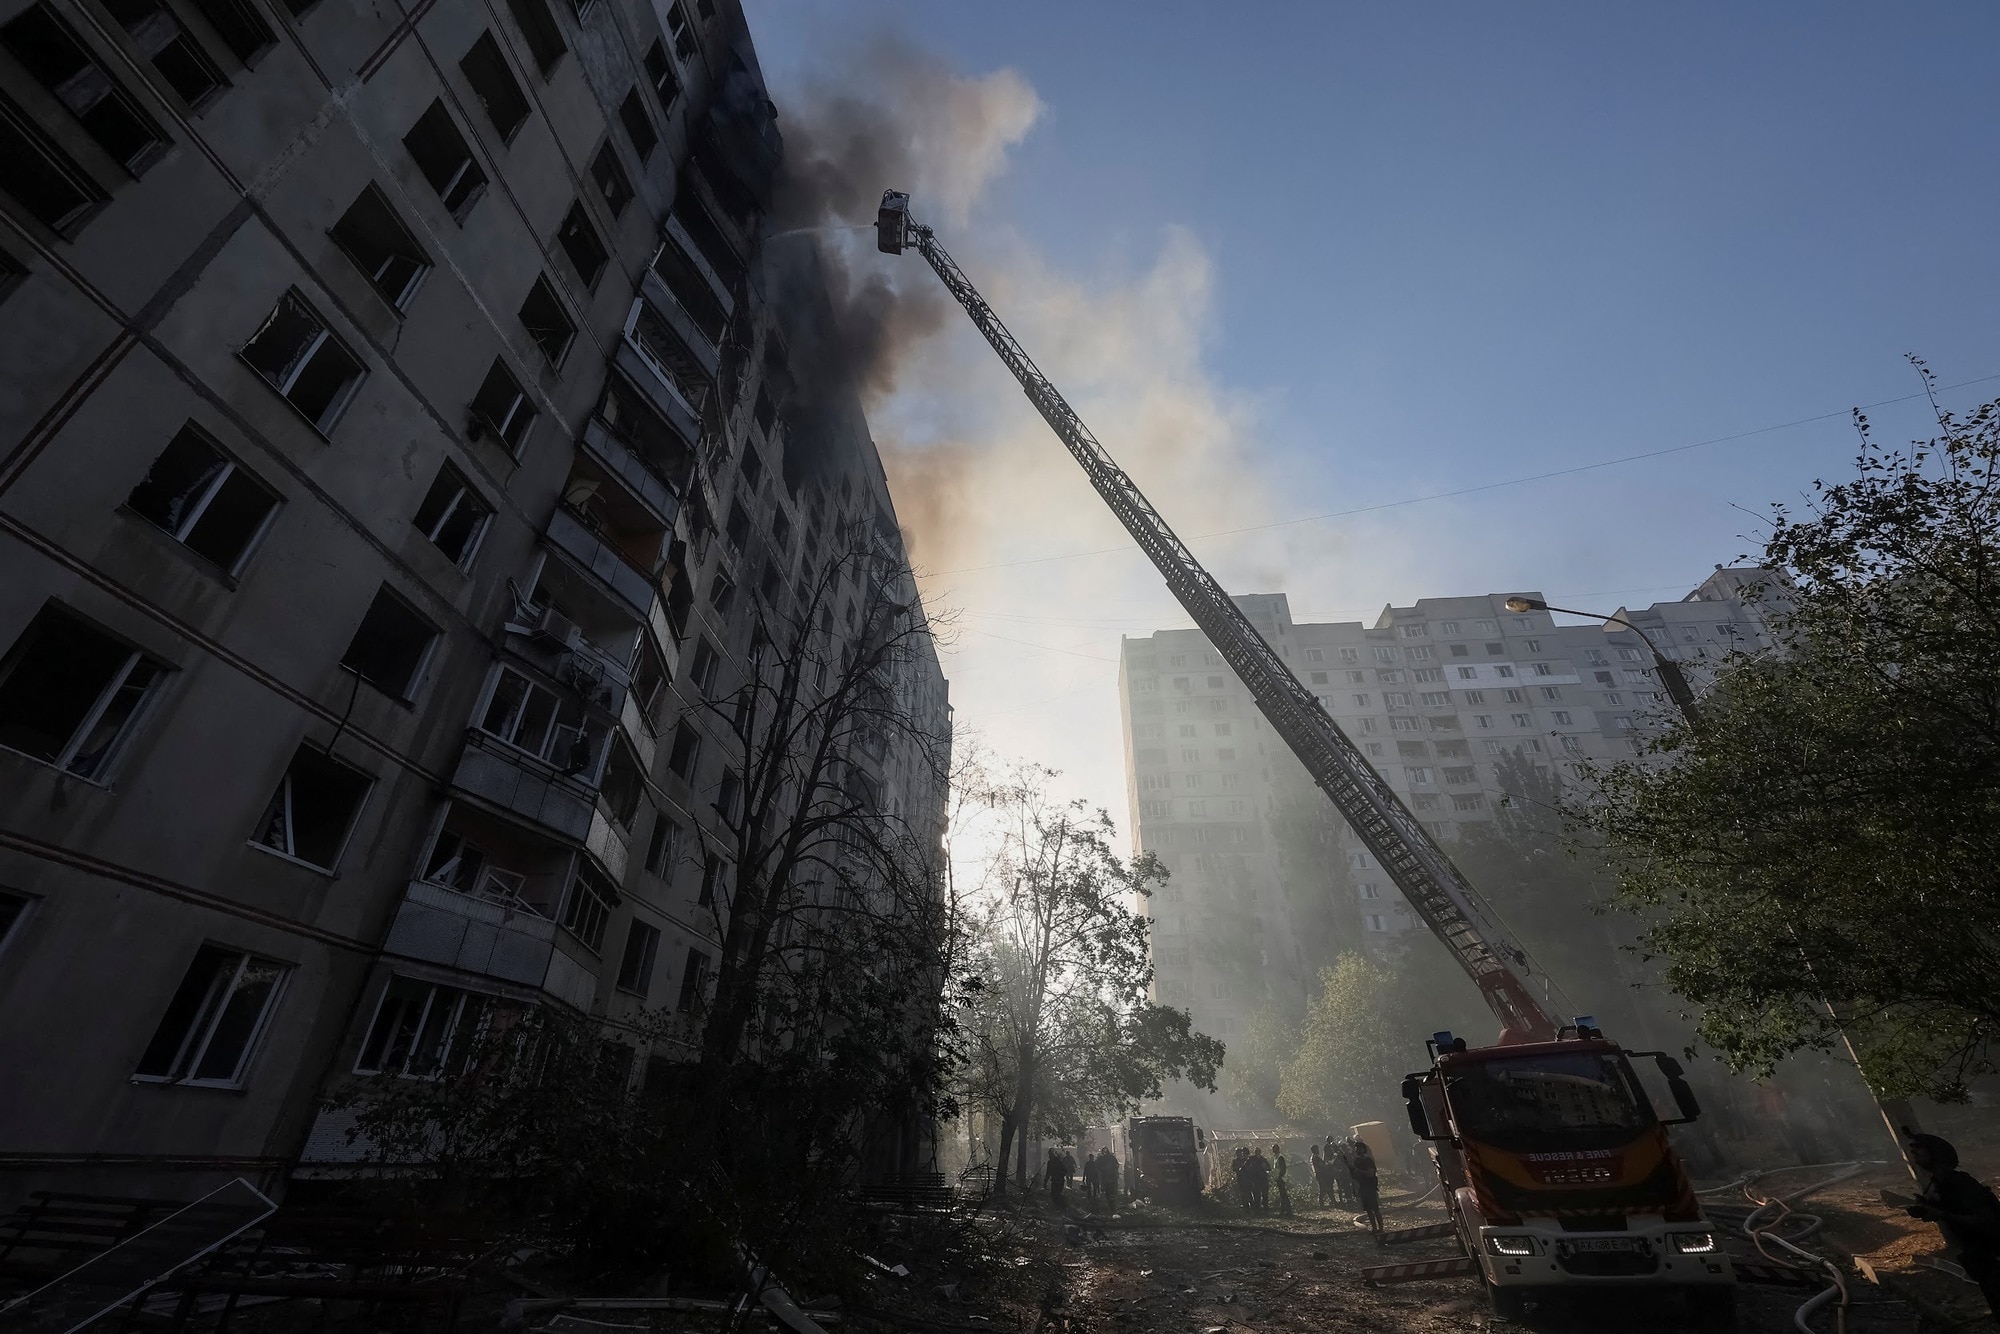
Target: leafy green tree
[1823, 848]
[1354, 1049]
[1059, 1032]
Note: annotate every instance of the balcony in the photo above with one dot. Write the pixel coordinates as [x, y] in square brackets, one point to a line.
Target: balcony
[513, 780]
[619, 459]
[494, 939]
[662, 393]
[633, 585]
[679, 232]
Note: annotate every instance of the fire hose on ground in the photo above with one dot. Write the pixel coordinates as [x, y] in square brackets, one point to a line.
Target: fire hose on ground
[1770, 1221]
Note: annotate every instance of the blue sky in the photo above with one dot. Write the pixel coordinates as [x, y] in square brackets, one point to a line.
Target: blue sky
[1443, 246]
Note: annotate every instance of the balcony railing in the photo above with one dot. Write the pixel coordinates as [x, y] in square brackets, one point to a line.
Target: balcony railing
[477, 935]
[510, 778]
[634, 585]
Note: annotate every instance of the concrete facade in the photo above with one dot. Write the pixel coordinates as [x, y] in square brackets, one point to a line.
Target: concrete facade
[386, 399]
[1438, 695]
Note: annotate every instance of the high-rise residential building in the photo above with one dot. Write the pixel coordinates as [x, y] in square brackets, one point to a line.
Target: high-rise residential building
[1440, 696]
[397, 444]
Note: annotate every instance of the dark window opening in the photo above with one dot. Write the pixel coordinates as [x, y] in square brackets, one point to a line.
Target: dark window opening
[239, 25]
[304, 362]
[708, 239]
[418, 1028]
[588, 907]
[313, 810]
[660, 73]
[766, 412]
[682, 30]
[638, 125]
[390, 645]
[694, 983]
[751, 467]
[706, 661]
[70, 694]
[729, 794]
[711, 880]
[382, 248]
[538, 25]
[486, 69]
[215, 1019]
[441, 154]
[663, 848]
[721, 592]
[204, 499]
[543, 316]
[680, 601]
[649, 685]
[502, 407]
[657, 444]
[36, 171]
[453, 516]
[738, 531]
[623, 784]
[579, 241]
[670, 355]
[686, 750]
[642, 947]
[611, 180]
[691, 289]
[181, 61]
[50, 51]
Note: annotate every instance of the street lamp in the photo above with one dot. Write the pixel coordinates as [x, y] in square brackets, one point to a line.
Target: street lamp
[1670, 671]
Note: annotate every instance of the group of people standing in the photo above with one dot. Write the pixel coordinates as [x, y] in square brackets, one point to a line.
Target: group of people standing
[1100, 1176]
[1344, 1173]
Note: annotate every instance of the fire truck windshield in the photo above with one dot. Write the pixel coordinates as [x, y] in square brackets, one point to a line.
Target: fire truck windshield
[1551, 1100]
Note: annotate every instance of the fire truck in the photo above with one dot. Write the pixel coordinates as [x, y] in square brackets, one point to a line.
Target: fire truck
[1557, 1169]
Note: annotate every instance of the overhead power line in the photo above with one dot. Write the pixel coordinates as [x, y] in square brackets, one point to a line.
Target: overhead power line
[1474, 490]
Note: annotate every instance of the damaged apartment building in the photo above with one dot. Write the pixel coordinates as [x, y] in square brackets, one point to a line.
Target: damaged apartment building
[1442, 697]
[393, 454]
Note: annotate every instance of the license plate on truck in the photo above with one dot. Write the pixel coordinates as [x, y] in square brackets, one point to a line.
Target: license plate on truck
[1604, 1244]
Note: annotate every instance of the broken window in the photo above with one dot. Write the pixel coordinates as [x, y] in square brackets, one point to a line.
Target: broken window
[686, 750]
[453, 516]
[50, 50]
[204, 499]
[623, 783]
[638, 125]
[694, 294]
[463, 866]
[729, 795]
[579, 241]
[660, 73]
[543, 316]
[706, 660]
[588, 907]
[738, 531]
[215, 1019]
[390, 646]
[751, 467]
[485, 68]
[721, 592]
[642, 947]
[526, 714]
[538, 25]
[707, 238]
[417, 1028]
[682, 30]
[694, 983]
[611, 180]
[711, 880]
[649, 684]
[36, 171]
[663, 847]
[441, 154]
[70, 694]
[378, 243]
[180, 59]
[502, 407]
[313, 810]
[305, 363]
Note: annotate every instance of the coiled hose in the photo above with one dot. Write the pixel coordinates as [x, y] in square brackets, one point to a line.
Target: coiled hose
[1770, 1221]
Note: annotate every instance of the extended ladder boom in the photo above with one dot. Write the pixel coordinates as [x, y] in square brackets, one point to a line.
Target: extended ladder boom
[1435, 889]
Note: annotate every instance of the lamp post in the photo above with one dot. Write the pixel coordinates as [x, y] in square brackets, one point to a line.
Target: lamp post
[1896, 1113]
[1677, 686]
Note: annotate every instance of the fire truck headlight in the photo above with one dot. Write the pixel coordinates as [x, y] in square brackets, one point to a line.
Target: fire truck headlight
[1505, 1244]
[1694, 1243]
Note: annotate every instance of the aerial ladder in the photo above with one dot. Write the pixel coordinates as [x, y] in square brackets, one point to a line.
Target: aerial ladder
[1435, 889]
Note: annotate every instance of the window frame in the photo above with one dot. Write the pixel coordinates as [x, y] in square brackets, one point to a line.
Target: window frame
[337, 405]
[284, 791]
[56, 160]
[413, 254]
[232, 468]
[86, 725]
[466, 491]
[207, 1018]
[462, 1000]
[483, 420]
[642, 986]
[439, 118]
